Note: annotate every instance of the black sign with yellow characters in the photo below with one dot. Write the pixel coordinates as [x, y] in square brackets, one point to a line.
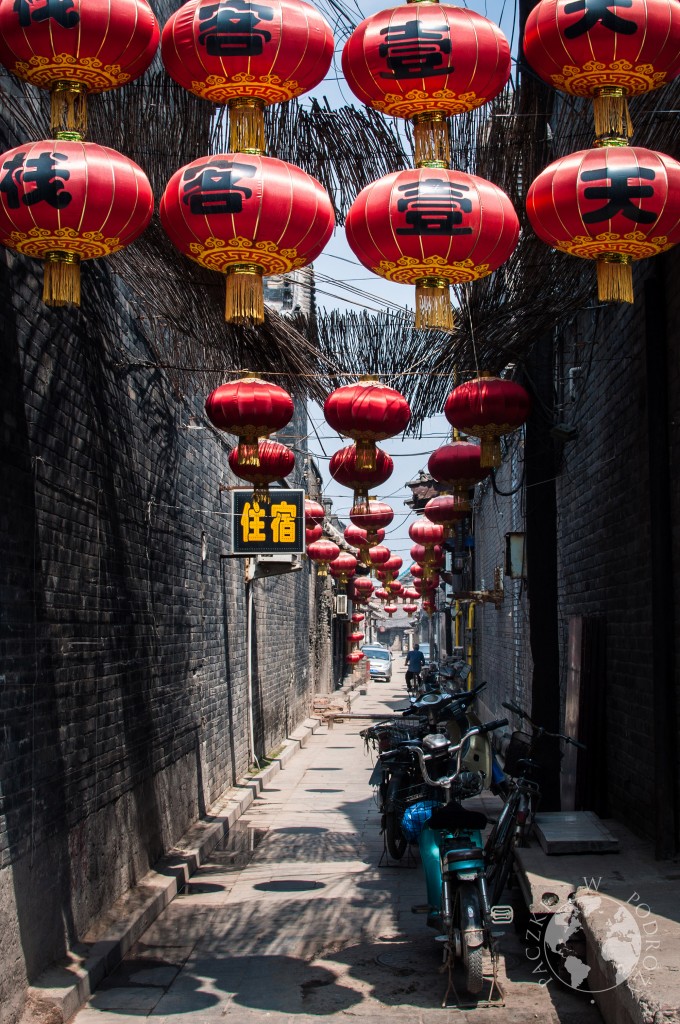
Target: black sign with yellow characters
[276, 527]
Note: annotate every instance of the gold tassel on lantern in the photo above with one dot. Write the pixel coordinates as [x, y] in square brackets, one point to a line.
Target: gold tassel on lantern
[68, 110]
[610, 110]
[246, 125]
[366, 455]
[248, 453]
[61, 279]
[615, 278]
[431, 138]
[245, 299]
[490, 452]
[261, 494]
[433, 304]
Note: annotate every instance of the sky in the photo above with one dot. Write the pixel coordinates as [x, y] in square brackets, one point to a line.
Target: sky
[339, 263]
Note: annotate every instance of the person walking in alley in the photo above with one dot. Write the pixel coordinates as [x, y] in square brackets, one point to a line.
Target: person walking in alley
[415, 660]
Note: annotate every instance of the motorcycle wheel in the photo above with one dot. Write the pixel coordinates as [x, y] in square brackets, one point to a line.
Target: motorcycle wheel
[474, 978]
[394, 837]
[472, 957]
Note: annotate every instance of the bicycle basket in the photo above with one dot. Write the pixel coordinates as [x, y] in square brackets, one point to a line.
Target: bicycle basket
[416, 817]
[519, 747]
[386, 735]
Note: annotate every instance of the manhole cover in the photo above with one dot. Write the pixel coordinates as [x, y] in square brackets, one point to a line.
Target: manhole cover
[289, 885]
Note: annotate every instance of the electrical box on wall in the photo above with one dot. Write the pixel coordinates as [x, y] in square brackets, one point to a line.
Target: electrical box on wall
[341, 604]
[515, 556]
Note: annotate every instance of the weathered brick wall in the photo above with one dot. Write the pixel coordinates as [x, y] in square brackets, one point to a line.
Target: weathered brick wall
[123, 689]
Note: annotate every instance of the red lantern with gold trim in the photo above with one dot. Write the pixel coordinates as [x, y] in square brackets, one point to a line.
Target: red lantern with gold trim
[426, 586]
[445, 510]
[77, 47]
[342, 567]
[426, 62]
[432, 227]
[248, 55]
[391, 609]
[361, 589]
[426, 533]
[250, 408]
[487, 408]
[367, 411]
[372, 516]
[458, 465]
[323, 552]
[607, 51]
[430, 556]
[314, 511]
[613, 205]
[314, 532]
[381, 594]
[275, 462]
[378, 555]
[410, 608]
[344, 468]
[392, 566]
[65, 202]
[410, 594]
[246, 216]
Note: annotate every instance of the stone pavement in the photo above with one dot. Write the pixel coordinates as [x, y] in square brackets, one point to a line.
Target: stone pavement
[294, 918]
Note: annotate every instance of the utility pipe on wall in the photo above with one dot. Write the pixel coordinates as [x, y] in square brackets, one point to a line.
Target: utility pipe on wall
[252, 757]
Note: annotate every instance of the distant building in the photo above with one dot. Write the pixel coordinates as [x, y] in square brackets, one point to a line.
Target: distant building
[290, 293]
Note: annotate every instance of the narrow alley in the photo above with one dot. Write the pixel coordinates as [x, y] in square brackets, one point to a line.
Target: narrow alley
[295, 917]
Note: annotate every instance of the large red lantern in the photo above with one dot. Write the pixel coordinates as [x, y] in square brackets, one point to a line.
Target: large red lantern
[430, 555]
[487, 408]
[368, 411]
[250, 408]
[614, 205]
[65, 202]
[342, 567]
[426, 62]
[458, 465]
[378, 555]
[372, 516]
[445, 510]
[607, 51]
[75, 47]
[426, 533]
[432, 227]
[247, 55]
[314, 511]
[275, 463]
[314, 532]
[246, 216]
[323, 552]
[344, 468]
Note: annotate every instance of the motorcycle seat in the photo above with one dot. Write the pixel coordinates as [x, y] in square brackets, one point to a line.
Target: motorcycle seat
[453, 816]
[453, 857]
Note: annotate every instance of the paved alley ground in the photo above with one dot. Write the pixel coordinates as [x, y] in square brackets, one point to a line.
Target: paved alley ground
[295, 919]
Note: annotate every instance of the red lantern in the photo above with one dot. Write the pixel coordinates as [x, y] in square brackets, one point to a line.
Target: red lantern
[395, 588]
[426, 586]
[358, 538]
[354, 657]
[357, 617]
[313, 533]
[247, 216]
[417, 571]
[432, 555]
[426, 62]
[75, 47]
[323, 552]
[458, 465]
[379, 555]
[343, 566]
[250, 408]
[445, 510]
[614, 204]
[411, 594]
[381, 594]
[605, 54]
[64, 202]
[344, 468]
[314, 511]
[362, 588]
[356, 637]
[275, 463]
[368, 411]
[429, 606]
[392, 567]
[487, 408]
[247, 55]
[392, 233]
[426, 533]
[391, 609]
[410, 608]
[373, 517]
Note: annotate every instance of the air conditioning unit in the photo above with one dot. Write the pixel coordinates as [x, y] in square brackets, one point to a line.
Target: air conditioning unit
[341, 604]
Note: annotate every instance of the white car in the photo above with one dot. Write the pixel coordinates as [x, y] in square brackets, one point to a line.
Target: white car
[379, 662]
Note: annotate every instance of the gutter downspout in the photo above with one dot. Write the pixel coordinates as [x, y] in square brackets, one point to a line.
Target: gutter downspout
[252, 757]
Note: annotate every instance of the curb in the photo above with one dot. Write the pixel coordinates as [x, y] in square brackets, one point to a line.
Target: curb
[64, 988]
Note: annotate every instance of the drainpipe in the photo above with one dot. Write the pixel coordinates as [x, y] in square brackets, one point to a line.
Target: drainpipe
[470, 653]
[252, 757]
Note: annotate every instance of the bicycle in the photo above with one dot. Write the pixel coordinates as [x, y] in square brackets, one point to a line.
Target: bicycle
[514, 823]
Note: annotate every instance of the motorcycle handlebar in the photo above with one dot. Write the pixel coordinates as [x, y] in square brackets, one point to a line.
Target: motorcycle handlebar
[511, 706]
[445, 781]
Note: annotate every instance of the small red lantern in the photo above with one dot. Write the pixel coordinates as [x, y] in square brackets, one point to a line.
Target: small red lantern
[430, 555]
[432, 227]
[357, 617]
[445, 510]
[354, 657]
[75, 47]
[275, 463]
[314, 511]
[381, 594]
[362, 588]
[246, 216]
[358, 538]
[356, 637]
[373, 517]
[323, 552]
[426, 533]
[313, 533]
[426, 586]
[458, 465]
[379, 555]
[342, 567]
[247, 55]
[426, 62]
[608, 54]
[344, 468]
[487, 408]
[395, 588]
[250, 408]
[410, 608]
[64, 202]
[411, 594]
[417, 571]
[368, 411]
[614, 204]
[429, 606]
[392, 566]
[391, 609]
